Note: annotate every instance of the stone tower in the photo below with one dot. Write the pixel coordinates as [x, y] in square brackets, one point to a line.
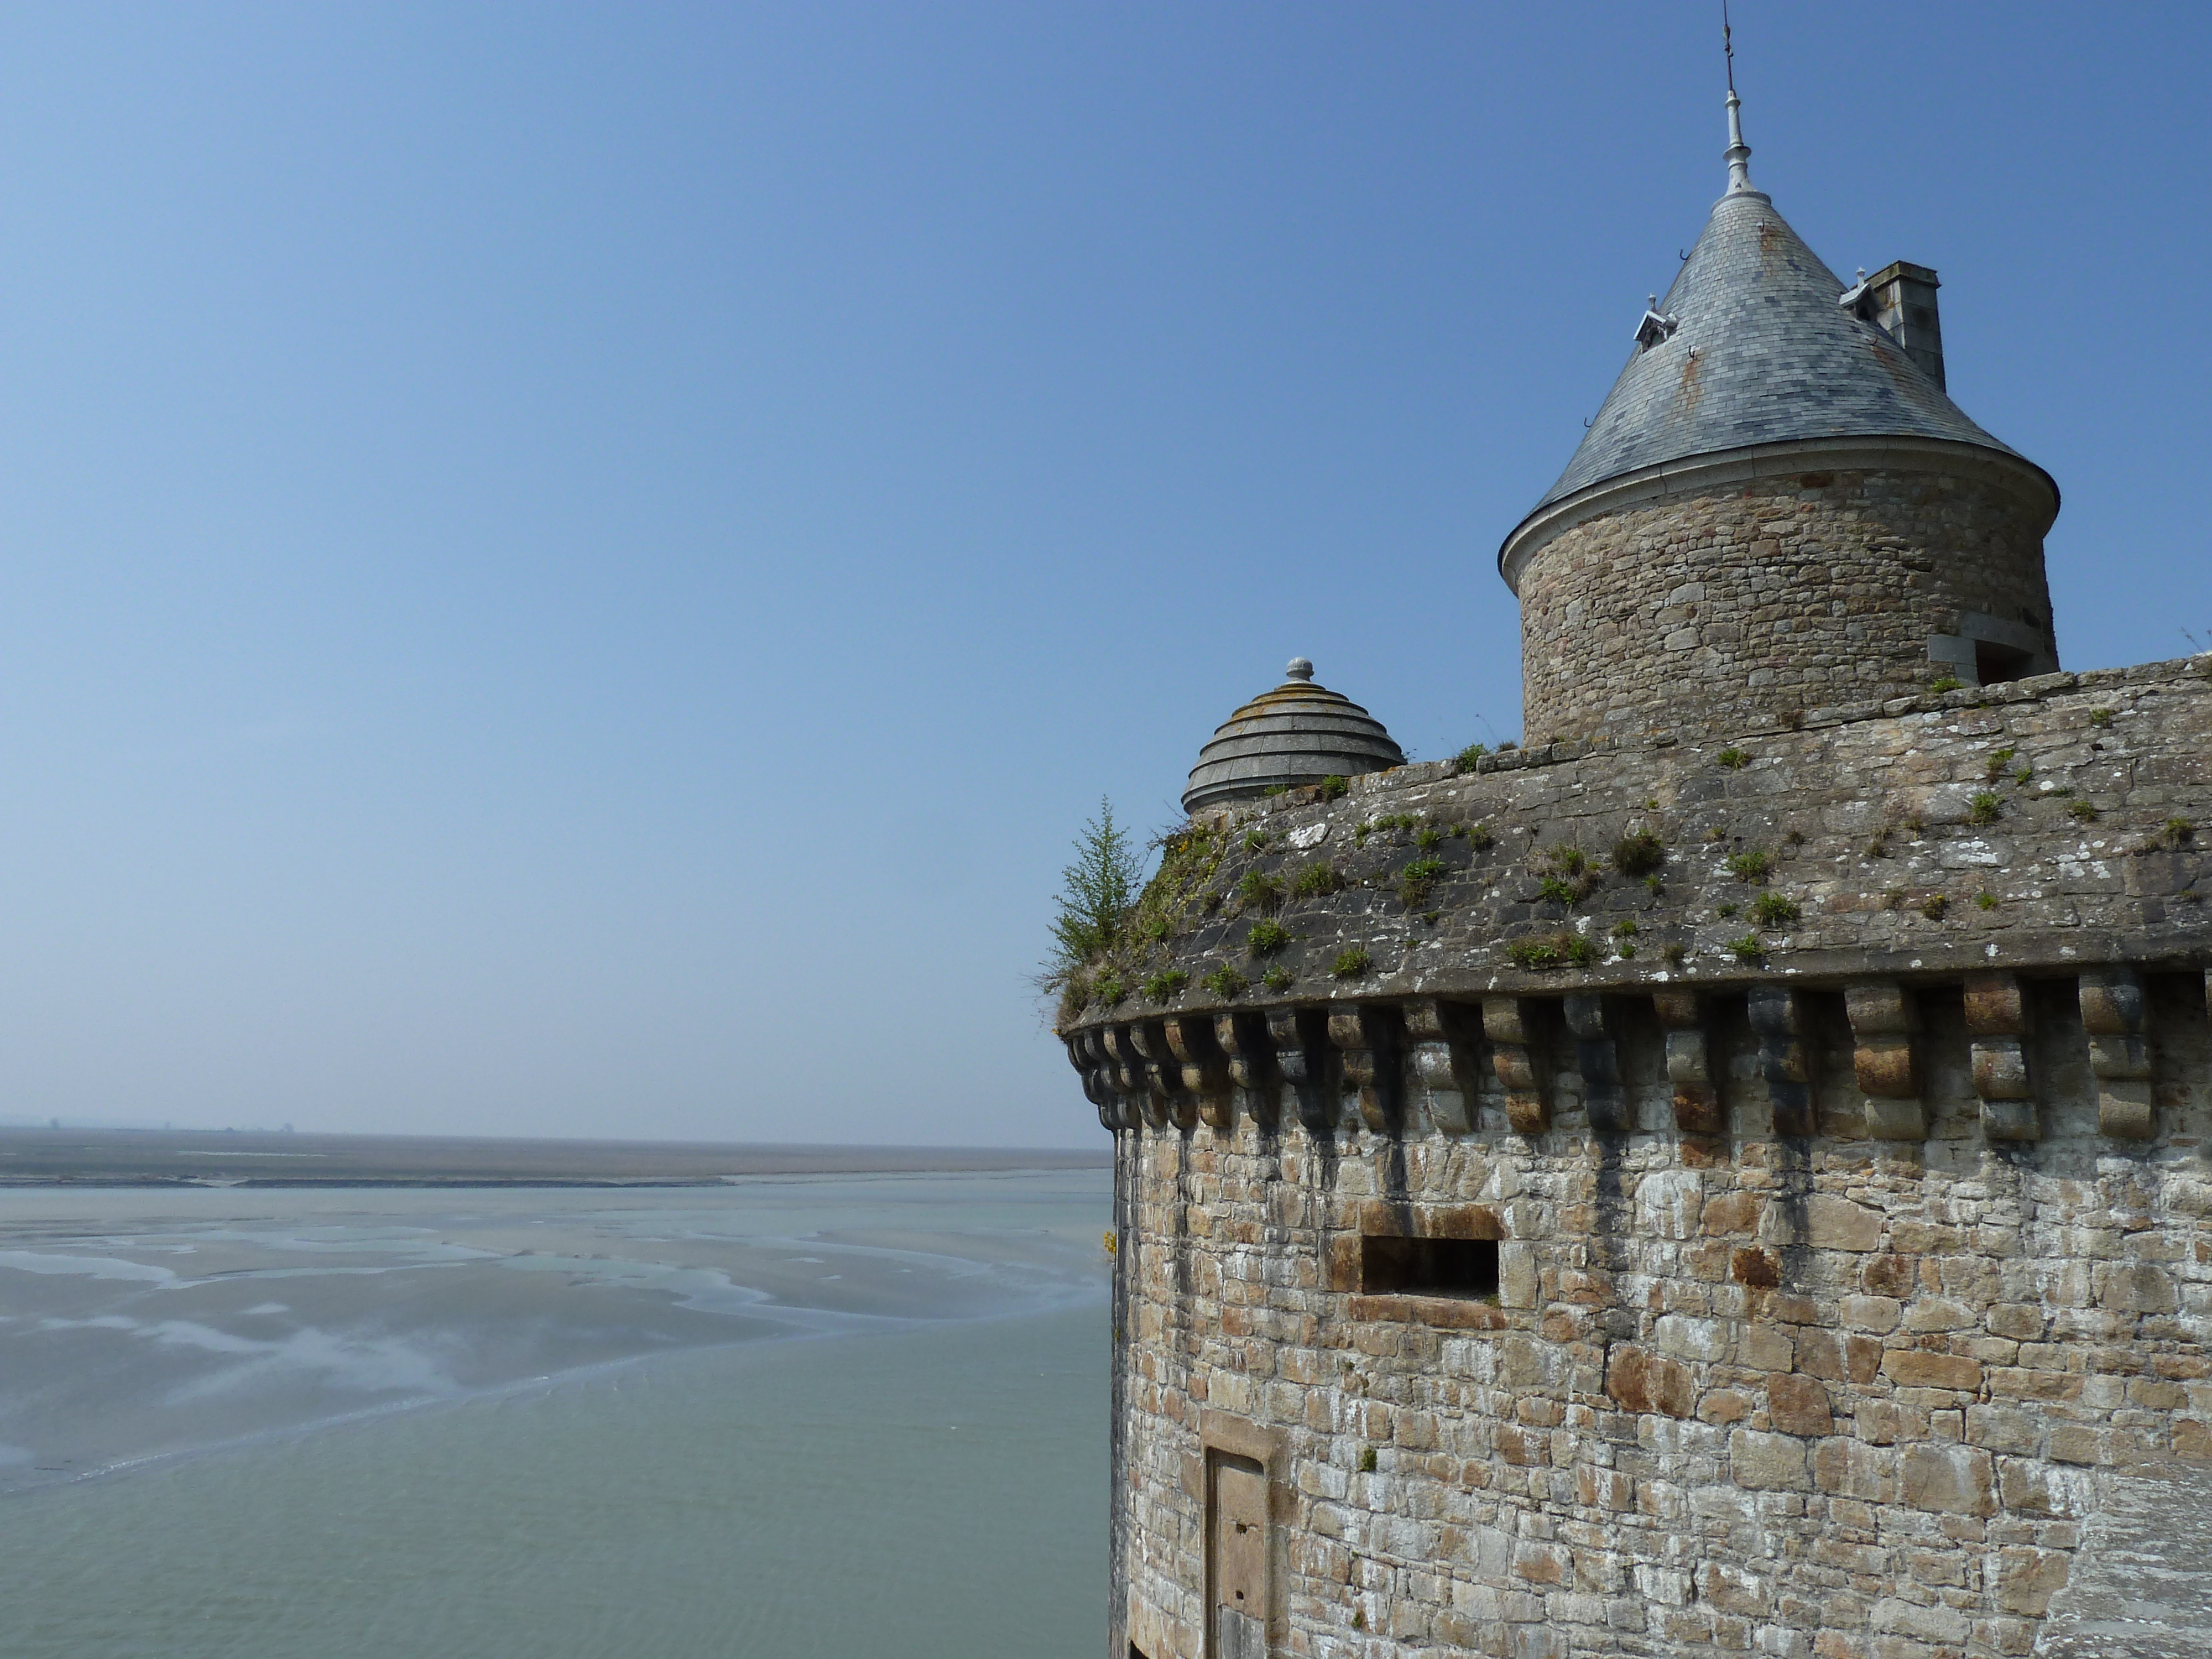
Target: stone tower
[1778, 508]
[1730, 1177]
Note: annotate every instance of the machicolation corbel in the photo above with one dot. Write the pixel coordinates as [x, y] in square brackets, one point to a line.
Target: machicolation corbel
[1445, 1058]
[1515, 1026]
[1997, 1021]
[1368, 1038]
[2114, 1015]
[1599, 1061]
[1308, 1065]
[1698, 1109]
[1885, 1016]
[1786, 1056]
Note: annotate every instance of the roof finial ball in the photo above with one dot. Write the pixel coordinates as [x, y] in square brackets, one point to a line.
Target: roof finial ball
[1300, 669]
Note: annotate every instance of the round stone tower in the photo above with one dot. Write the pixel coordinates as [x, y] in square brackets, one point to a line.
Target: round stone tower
[1778, 507]
[1299, 733]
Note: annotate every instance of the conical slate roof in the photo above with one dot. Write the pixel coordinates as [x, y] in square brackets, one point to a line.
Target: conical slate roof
[1760, 353]
[1299, 733]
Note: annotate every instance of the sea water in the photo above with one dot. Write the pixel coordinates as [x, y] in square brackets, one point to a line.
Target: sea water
[810, 1417]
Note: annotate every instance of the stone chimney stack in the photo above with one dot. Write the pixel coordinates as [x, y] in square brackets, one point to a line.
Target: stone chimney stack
[1899, 300]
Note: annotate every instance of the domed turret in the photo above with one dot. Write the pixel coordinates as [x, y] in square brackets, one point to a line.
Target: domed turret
[1778, 508]
[1299, 733]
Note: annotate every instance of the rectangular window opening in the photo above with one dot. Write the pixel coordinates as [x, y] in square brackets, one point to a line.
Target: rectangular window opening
[1429, 1267]
[1995, 663]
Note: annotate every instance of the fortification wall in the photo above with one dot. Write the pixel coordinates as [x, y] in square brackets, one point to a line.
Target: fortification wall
[1815, 587]
[1741, 1393]
[1839, 1261]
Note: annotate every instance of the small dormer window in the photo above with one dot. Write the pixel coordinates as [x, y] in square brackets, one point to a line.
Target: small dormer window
[1657, 328]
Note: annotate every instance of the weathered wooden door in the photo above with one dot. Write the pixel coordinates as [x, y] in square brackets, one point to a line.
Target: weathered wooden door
[1236, 1558]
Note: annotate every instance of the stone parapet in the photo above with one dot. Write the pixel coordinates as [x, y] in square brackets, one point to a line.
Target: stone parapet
[2040, 827]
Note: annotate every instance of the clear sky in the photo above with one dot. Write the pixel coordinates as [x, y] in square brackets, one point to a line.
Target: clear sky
[573, 570]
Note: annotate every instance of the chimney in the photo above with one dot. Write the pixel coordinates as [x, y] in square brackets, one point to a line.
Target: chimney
[1899, 300]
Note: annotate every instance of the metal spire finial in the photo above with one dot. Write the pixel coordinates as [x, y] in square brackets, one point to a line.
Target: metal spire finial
[1738, 153]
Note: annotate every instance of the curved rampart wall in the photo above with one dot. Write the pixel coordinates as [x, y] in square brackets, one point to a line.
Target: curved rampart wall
[1853, 1259]
[1737, 1393]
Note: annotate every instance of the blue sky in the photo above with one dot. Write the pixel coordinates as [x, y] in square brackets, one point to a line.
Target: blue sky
[573, 570]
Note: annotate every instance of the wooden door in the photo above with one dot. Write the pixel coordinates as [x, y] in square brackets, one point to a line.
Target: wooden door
[1236, 1558]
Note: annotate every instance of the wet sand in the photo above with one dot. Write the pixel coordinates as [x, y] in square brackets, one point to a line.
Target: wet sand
[140, 1323]
[259, 1158]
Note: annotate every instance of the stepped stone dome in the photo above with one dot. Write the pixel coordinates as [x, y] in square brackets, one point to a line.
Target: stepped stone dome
[1299, 733]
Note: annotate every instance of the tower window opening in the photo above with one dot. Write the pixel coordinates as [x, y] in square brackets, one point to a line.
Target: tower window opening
[1428, 1267]
[1995, 663]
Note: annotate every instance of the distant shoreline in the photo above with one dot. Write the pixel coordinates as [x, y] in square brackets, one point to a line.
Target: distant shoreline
[50, 1158]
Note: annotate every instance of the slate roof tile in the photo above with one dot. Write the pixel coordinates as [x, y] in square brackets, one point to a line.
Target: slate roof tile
[1763, 353]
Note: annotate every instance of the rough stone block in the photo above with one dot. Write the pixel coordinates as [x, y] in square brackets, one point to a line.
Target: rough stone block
[1639, 1381]
[2028, 1578]
[1954, 1479]
[1517, 1274]
[1767, 1463]
[1912, 1368]
[1921, 1621]
[1690, 1338]
[1857, 1470]
[1896, 1120]
[2135, 1288]
[1669, 1203]
[1837, 1224]
[2126, 1109]
[1797, 1404]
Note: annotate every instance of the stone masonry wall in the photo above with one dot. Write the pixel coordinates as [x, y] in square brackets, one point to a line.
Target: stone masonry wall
[1818, 1397]
[1725, 607]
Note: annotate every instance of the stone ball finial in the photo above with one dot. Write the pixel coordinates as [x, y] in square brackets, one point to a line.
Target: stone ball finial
[1300, 669]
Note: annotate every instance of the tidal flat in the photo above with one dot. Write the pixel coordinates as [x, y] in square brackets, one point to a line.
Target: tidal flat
[725, 1418]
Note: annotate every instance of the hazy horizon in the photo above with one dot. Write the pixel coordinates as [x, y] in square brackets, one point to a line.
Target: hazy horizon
[574, 570]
